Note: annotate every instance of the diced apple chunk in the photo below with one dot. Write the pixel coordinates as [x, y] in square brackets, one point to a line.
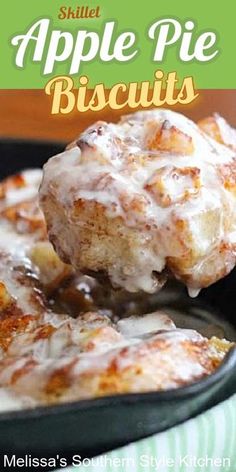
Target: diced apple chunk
[5, 298]
[218, 128]
[171, 139]
[170, 185]
[52, 270]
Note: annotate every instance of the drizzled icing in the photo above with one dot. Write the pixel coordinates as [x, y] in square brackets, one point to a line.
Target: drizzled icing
[163, 177]
[47, 357]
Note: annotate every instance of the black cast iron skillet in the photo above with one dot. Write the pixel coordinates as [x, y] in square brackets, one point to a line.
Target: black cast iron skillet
[94, 426]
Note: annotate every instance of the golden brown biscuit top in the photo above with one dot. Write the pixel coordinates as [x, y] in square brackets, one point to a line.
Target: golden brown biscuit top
[48, 356]
[164, 178]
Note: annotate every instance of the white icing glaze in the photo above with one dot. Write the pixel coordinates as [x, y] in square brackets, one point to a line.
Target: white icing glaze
[226, 132]
[11, 401]
[114, 166]
[145, 353]
[147, 324]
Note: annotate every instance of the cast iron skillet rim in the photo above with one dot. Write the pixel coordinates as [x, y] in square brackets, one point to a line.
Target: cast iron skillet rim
[32, 141]
[82, 406]
[175, 394]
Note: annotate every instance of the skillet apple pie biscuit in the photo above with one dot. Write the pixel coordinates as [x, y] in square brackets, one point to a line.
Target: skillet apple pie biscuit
[151, 195]
[56, 344]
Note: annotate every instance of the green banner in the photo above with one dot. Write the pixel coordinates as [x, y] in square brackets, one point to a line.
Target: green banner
[117, 41]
